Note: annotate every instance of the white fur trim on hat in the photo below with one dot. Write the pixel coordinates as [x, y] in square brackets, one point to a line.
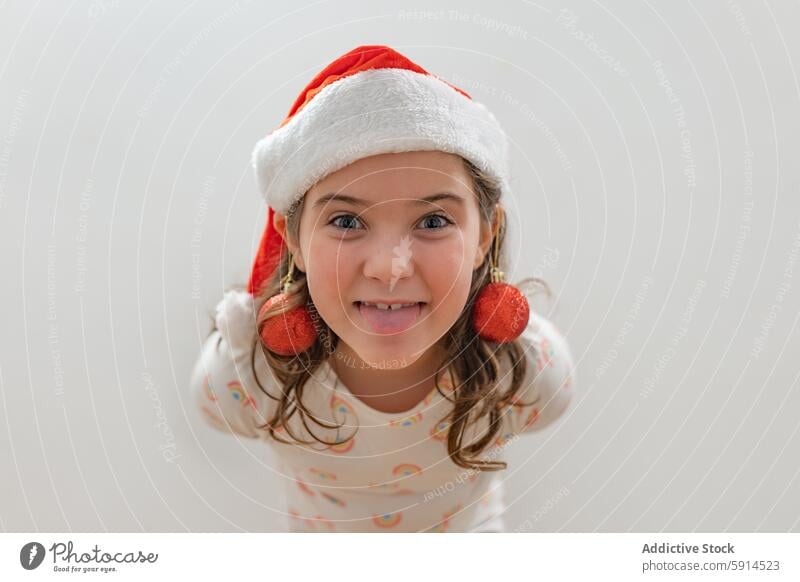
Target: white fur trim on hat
[374, 112]
[236, 321]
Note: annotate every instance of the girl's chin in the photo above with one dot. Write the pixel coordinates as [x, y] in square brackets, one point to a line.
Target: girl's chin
[368, 354]
[393, 356]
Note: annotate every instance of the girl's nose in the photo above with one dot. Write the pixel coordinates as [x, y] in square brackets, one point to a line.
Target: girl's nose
[390, 260]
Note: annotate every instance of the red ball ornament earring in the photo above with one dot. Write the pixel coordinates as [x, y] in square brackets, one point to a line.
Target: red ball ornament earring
[291, 332]
[501, 311]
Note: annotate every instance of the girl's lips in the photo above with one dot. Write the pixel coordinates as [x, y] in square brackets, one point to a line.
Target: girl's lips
[386, 321]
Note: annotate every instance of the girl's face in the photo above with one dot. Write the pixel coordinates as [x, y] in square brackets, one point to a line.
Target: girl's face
[392, 229]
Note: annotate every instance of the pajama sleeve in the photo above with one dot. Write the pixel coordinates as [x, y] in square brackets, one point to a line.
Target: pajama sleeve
[546, 390]
[222, 382]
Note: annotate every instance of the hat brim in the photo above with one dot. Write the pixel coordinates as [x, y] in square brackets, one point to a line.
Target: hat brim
[375, 112]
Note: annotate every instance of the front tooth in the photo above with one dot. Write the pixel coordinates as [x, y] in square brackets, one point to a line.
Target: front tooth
[382, 306]
[397, 305]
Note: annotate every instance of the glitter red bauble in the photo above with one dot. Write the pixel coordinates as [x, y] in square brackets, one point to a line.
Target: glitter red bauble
[500, 313]
[289, 333]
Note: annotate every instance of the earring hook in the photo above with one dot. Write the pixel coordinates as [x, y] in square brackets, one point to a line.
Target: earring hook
[494, 258]
[287, 280]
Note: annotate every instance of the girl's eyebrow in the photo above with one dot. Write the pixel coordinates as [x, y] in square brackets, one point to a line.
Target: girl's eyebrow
[347, 199]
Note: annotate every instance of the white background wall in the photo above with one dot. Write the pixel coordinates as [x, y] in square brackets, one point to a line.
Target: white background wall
[655, 160]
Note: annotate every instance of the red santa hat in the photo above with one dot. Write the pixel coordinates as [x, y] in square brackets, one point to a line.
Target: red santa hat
[371, 100]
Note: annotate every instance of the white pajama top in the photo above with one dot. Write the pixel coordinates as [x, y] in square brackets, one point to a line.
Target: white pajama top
[394, 474]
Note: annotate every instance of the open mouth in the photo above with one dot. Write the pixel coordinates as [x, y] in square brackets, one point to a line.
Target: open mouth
[385, 318]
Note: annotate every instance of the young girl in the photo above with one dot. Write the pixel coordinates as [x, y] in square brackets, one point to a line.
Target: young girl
[376, 347]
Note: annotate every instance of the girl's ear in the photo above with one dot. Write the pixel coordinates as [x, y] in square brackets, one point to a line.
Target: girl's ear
[487, 236]
[279, 222]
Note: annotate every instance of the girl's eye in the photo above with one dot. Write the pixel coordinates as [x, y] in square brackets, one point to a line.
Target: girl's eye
[433, 222]
[350, 218]
[434, 219]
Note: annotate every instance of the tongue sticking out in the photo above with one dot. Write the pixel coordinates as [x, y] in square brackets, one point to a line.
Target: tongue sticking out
[389, 320]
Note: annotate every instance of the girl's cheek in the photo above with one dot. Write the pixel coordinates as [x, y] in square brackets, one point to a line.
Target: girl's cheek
[331, 276]
[325, 257]
[445, 262]
[447, 276]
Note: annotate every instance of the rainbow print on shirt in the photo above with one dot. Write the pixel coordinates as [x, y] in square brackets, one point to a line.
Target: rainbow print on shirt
[341, 445]
[544, 355]
[439, 431]
[303, 487]
[239, 394]
[208, 391]
[406, 470]
[322, 475]
[332, 499]
[342, 411]
[408, 421]
[532, 417]
[387, 519]
[442, 526]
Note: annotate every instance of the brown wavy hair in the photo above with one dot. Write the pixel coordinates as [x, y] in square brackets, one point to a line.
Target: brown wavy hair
[476, 362]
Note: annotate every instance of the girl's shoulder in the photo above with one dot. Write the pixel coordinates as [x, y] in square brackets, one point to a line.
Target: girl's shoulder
[227, 382]
[542, 335]
[234, 386]
[546, 389]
